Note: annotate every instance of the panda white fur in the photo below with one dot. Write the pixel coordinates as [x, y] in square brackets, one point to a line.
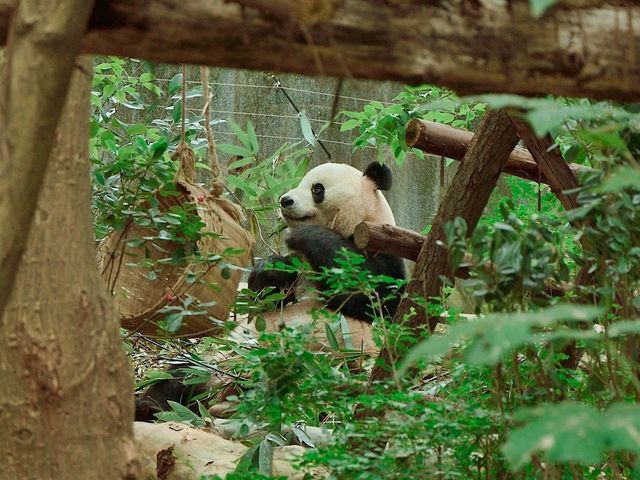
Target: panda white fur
[322, 213]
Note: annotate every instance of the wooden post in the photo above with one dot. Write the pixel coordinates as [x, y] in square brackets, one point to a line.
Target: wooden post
[466, 197]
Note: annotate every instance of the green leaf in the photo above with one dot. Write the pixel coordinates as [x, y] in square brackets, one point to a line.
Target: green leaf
[108, 90]
[248, 460]
[153, 88]
[240, 163]
[265, 457]
[152, 377]
[159, 147]
[349, 125]
[176, 112]
[241, 134]
[203, 166]
[307, 131]
[237, 182]
[331, 338]
[573, 433]
[489, 338]
[137, 129]
[576, 154]
[175, 83]
[567, 433]
[252, 138]
[186, 415]
[538, 7]
[622, 328]
[99, 176]
[147, 77]
[261, 324]
[234, 150]
[173, 322]
[623, 178]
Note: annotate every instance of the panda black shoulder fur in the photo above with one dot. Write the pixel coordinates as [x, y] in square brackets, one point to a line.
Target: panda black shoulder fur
[322, 213]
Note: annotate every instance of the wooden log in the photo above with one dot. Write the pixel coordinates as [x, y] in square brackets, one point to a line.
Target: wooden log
[385, 238]
[466, 197]
[472, 47]
[405, 243]
[447, 141]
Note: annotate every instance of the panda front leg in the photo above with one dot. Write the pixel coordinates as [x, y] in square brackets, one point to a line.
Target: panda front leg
[265, 274]
[320, 247]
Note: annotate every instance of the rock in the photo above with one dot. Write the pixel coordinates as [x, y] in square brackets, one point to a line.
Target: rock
[174, 451]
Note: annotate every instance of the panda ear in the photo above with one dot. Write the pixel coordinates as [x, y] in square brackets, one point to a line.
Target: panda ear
[380, 175]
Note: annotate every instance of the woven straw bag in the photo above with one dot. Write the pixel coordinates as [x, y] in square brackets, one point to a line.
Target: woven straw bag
[140, 299]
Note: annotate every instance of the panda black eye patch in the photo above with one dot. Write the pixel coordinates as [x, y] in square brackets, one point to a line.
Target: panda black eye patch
[317, 192]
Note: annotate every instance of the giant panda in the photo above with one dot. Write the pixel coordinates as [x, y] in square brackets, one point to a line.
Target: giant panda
[322, 213]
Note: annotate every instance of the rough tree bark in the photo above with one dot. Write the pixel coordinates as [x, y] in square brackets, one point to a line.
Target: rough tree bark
[42, 46]
[466, 197]
[66, 396]
[471, 46]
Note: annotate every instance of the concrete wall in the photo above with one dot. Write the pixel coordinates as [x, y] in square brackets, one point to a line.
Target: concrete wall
[241, 96]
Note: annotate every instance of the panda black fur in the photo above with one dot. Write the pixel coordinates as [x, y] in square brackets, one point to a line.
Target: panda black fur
[322, 213]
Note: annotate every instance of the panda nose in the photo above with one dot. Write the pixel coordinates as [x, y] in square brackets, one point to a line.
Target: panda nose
[285, 201]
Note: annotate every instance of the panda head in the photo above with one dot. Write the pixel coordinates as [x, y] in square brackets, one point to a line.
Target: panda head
[339, 197]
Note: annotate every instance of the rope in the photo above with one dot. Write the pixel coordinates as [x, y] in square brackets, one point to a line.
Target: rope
[184, 102]
[213, 154]
[184, 154]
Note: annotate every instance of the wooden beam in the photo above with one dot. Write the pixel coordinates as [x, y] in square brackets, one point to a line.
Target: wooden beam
[447, 141]
[385, 238]
[466, 197]
[472, 47]
[560, 175]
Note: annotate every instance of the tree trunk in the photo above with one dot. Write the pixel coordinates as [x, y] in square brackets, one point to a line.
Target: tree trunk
[42, 46]
[470, 46]
[466, 197]
[66, 396]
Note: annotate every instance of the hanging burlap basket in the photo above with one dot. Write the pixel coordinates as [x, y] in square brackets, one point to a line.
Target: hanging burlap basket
[139, 299]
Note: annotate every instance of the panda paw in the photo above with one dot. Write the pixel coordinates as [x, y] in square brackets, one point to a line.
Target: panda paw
[265, 275]
[318, 245]
[310, 238]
